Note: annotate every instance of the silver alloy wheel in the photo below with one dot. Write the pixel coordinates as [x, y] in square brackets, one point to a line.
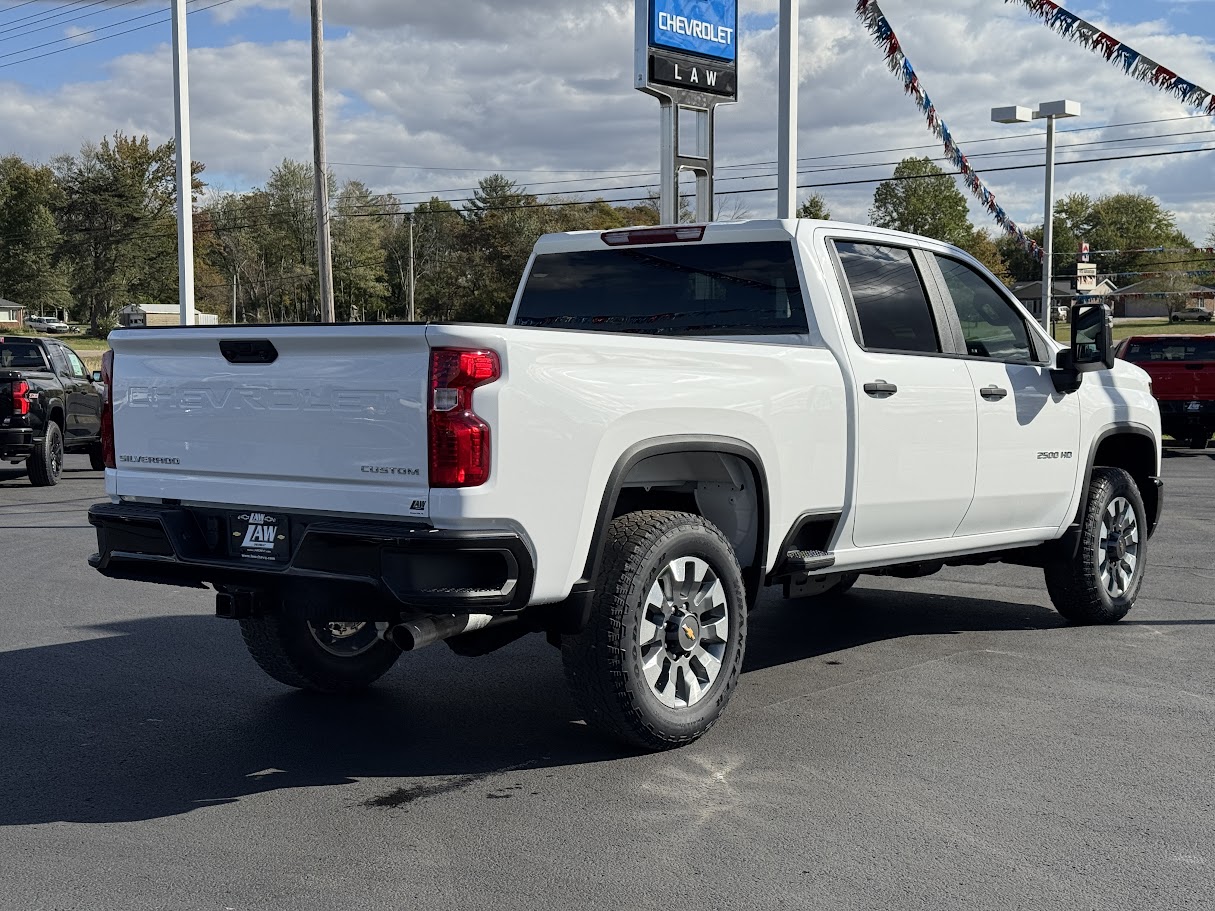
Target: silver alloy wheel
[1119, 555]
[683, 632]
[344, 639]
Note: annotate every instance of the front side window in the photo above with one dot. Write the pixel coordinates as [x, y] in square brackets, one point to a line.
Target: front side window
[76, 364]
[890, 301]
[991, 325]
[686, 289]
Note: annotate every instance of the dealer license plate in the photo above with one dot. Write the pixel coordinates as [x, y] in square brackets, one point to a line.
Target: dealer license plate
[260, 536]
[1193, 406]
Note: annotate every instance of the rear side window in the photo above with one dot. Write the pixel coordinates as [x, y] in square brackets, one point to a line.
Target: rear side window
[60, 362]
[1170, 349]
[21, 355]
[691, 289]
[891, 304]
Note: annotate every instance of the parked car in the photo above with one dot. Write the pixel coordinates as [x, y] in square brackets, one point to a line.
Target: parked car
[1190, 315]
[49, 324]
[672, 418]
[50, 405]
[1182, 368]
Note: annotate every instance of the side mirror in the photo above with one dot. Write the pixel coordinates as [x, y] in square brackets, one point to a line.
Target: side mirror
[96, 376]
[1092, 338]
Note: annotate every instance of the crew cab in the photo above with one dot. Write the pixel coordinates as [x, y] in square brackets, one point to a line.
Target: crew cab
[672, 419]
[49, 405]
[1182, 368]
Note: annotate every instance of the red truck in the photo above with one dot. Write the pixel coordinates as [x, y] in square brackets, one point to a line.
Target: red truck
[1182, 368]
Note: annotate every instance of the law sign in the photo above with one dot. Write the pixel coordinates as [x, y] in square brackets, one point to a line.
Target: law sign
[690, 46]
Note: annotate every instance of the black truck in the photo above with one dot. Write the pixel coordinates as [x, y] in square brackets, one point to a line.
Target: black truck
[50, 404]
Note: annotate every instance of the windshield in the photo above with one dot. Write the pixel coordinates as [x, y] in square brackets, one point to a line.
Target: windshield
[691, 289]
[1148, 350]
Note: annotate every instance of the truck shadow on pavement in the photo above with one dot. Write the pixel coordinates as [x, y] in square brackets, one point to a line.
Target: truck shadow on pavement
[167, 715]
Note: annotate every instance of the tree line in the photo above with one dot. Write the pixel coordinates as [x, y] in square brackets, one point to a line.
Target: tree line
[94, 232]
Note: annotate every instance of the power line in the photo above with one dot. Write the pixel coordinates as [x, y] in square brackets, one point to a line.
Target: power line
[40, 12]
[73, 18]
[106, 37]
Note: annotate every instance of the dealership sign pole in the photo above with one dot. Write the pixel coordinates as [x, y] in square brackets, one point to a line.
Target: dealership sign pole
[686, 55]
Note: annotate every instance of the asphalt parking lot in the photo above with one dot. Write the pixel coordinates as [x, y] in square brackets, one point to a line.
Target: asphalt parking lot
[939, 743]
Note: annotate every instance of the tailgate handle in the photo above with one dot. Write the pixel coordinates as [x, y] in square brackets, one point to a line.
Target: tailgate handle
[1194, 366]
[248, 351]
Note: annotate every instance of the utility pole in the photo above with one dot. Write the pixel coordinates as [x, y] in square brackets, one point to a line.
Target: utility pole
[786, 143]
[234, 287]
[413, 313]
[185, 175]
[320, 173]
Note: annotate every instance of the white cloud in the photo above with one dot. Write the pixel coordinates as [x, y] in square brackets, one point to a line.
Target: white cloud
[542, 84]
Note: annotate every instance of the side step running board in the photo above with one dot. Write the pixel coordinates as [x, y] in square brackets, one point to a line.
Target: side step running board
[805, 561]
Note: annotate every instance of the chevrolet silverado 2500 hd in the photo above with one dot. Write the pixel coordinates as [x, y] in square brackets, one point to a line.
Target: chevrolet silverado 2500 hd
[672, 418]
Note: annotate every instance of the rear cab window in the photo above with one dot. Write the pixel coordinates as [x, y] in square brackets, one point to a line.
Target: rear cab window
[1165, 350]
[17, 355]
[724, 289]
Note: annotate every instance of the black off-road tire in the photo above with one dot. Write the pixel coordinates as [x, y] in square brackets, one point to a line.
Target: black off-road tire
[286, 649]
[1199, 440]
[45, 464]
[96, 458]
[1077, 587]
[603, 663]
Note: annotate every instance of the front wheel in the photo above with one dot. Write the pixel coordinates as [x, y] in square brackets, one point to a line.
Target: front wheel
[661, 656]
[96, 458]
[328, 657]
[1100, 583]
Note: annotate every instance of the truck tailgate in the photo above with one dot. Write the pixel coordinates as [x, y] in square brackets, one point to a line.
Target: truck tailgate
[313, 418]
[1182, 380]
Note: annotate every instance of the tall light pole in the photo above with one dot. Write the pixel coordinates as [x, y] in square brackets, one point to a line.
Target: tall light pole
[786, 143]
[185, 175]
[1050, 111]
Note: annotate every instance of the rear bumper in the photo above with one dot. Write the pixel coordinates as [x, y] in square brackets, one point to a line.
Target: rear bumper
[407, 566]
[16, 442]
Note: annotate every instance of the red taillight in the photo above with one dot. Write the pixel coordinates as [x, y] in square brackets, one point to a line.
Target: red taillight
[21, 400]
[459, 439]
[107, 410]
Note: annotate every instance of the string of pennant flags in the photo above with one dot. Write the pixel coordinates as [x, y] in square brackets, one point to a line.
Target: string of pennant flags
[1194, 251]
[1138, 66]
[896, 61]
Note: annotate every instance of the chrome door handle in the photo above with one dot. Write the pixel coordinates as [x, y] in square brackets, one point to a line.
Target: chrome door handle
[993, 393]
[881, 389]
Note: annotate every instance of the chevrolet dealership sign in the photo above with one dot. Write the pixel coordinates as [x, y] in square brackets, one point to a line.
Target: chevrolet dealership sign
[689, 45]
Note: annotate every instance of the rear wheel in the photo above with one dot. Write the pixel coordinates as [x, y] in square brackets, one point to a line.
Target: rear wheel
[661, 656]
[1199, 440]
[328, 657]
[1100, 584]
[45, 465]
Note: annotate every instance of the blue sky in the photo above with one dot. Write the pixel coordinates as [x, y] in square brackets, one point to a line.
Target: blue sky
[427, 96]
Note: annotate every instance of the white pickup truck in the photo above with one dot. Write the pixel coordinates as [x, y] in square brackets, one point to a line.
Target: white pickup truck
[672, 419]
